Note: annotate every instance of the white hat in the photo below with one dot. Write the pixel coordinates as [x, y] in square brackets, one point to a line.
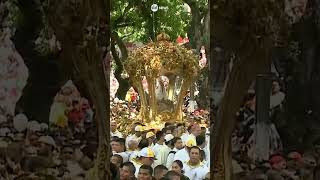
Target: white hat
[47, 140]
[21, 116]
[138, 128]
[4, 131]
[34, 126]
[20, 122]
[150, 134]
[168, 137]
[44, 126]
[116, 100]
[146, 152]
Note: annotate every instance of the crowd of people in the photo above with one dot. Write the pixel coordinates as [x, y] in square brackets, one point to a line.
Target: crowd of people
[66, 147]
[173, 152]
[34, 150]
[63, 148]
[277, 162]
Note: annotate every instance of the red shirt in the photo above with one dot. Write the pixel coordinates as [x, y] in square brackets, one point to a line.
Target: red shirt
[75, 116]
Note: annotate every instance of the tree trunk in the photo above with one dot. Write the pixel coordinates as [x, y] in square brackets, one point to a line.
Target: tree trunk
[86, 52]
[123, 83]
[241, 77]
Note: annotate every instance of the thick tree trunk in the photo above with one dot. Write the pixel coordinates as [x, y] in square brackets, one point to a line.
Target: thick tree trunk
[241, 77]
[251, 41]
[86, 51]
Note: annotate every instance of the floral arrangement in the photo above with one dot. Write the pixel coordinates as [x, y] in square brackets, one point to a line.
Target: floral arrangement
[162, 56]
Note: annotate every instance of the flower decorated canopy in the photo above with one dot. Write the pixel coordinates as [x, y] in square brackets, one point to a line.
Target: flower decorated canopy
[162, 57]
[147, 64]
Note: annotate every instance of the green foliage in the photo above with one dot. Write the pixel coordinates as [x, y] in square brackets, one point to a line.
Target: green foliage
[133, 19]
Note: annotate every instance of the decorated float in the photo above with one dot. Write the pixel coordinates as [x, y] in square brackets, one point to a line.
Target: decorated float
[161, 72]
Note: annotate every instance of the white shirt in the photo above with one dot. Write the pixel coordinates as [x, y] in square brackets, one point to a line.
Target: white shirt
[184, 137]
[124, 156]
[132, 154]
[116, 133]
[192, 136]
[207, 153]
[137, 165]
[195, 172]
[156, 148]
[162, 156]
[182, 155]
[170, 158]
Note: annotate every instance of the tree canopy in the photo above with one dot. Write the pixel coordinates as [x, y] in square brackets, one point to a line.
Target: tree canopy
[133, 20]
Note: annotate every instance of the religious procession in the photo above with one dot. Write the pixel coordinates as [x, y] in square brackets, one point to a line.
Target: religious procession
[159, 90]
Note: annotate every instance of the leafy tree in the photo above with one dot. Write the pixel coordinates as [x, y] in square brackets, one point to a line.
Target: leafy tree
[133, 21]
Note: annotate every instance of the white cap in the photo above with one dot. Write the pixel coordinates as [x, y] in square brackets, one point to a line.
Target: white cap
[34, 126]
[146, 152]
[116, 100]
[44, 126]
[21, 116]
[47, 140]
[20, 122]
[168, 137]
[138, 128]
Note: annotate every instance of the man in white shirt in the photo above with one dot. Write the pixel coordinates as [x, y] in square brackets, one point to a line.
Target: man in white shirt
[194, 169]
[195, 131]
[136, 136]
[114, 131]
[164, 151]
[177, 143]
[183, 154]
[118, 147]
[160, 142]
[132, 150]
[185, 135]
[145, 157]
[151, 138]
[202, 144]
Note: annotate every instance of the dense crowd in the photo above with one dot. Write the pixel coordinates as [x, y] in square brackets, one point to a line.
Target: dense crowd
[276, 162]
[36, 151]
[174, 152]
[66, 147]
